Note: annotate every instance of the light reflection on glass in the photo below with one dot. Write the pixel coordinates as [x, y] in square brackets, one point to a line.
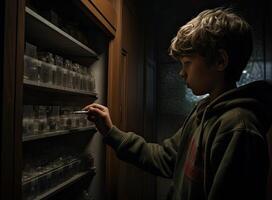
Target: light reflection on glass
[253, 72]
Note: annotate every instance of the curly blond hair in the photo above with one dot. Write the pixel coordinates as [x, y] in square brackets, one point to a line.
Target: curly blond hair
[215, 29]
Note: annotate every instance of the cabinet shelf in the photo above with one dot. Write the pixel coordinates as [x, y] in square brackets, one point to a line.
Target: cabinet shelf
[58, 189]
[73, 180]
[48, 87]
[42, 93]
[58, 133]
[47, 35]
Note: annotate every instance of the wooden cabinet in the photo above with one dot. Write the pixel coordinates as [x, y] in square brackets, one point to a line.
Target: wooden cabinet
[41, 158]
[102, 12]
[56, 82]
[114, 31]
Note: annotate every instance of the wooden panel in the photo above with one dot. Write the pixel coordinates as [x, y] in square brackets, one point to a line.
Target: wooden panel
[131, 182]
[125, 102]
[19, 99]
[101, 12]
[106, 9]
[114, 61]
[7, 115]
[133, 78]
[10, 174]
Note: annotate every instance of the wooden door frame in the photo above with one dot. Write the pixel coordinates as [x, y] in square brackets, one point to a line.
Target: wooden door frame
[12, 89]
[113, 101]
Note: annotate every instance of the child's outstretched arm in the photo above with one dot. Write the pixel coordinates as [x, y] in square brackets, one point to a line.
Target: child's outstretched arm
[158, 159]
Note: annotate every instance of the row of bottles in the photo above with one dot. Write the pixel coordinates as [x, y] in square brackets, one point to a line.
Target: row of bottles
[41, 176]
[44, 67]
[40, 119]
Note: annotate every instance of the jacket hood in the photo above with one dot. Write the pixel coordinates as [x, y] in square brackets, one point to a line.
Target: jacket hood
[255, 96]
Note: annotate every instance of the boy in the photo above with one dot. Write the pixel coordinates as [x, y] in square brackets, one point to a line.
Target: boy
[220, 153]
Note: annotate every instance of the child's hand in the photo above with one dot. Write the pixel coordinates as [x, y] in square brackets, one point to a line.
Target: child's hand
[100, 116]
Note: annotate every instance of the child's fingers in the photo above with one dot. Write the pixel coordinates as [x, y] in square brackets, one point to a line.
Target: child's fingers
[96, 111]
[95, 105]
[87, 107]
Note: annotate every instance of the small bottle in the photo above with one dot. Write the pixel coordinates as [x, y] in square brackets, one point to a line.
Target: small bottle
[47, 73]
[31, 69]
[59, 76]
[52, 118]
[54, 74]
[77, 77]
[28, 120]
[59, 61]
[74, 76]
[30, 50]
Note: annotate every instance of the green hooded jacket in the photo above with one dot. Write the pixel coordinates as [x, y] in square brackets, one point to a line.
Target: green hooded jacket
[220, 153]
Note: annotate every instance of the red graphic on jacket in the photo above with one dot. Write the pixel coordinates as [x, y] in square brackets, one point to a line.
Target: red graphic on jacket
[193, 166]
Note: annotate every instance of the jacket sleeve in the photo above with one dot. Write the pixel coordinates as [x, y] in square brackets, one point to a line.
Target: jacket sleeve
[239, 162]
[154, 158]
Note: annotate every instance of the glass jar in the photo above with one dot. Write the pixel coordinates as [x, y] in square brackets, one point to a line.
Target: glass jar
[67, 64]
[73, 118]
[28, 119]
[46, 57]
[59, 76]
[42, 119]
[80, 75]
[68, 75]
[65, 78]
[51, 58]
[62, 122]
[31, 69]
[54, 74]
[59, 61]
[77, 121]
[73, 75]
[53, 118]
[69, 79]
[25, 126]
[46, 73]
[65, 118]
[77, 76]
[35, 119]
[30, 50]
[83, 120]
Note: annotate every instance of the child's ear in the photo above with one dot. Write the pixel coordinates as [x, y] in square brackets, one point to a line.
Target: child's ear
[223, 60]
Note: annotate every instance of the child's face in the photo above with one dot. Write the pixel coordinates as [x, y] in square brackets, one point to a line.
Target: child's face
[199, 76]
